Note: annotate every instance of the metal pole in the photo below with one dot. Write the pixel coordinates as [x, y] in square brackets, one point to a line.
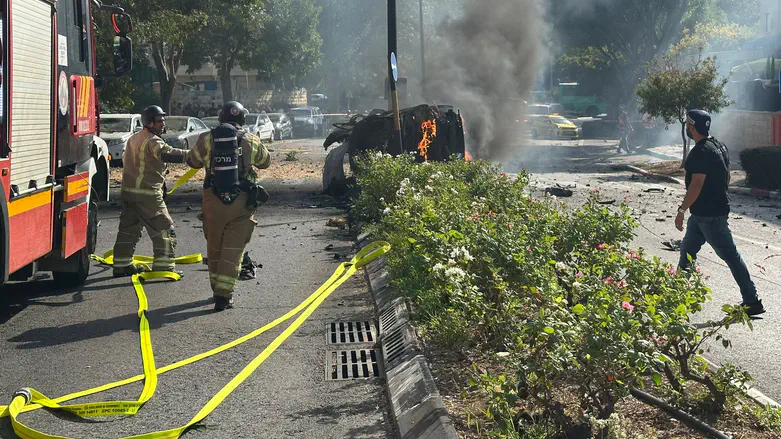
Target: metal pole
[422, 54]
[392, 49]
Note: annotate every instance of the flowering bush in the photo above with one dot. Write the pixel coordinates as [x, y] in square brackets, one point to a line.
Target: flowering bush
[488, 267]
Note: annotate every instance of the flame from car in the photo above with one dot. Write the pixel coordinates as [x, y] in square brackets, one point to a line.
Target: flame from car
[429, 130]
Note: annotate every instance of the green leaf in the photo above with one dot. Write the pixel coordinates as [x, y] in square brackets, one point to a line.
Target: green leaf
[657, 379]
[412, 240]
[681, 309]
[579, 309]
[549, 330]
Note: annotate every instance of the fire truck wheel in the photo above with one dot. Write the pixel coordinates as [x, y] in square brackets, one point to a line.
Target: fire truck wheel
[82, 257]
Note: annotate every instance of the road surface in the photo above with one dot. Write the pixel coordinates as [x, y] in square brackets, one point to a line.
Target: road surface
[64, 341]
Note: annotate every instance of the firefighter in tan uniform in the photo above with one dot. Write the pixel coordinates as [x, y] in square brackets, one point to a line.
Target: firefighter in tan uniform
[230, 196]
[144, 165]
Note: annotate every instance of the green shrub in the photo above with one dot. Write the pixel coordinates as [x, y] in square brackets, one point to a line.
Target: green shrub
[489, 267]
[762, 166]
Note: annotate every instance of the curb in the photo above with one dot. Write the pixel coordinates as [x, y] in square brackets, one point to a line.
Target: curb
[752, 392]
[637, 170]
[754, 192]
[418, 408]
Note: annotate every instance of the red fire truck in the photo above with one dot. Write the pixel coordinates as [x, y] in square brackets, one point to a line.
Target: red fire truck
[53, 165]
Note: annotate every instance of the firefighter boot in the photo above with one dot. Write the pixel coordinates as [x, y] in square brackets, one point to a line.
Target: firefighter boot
[222, 303]
[128, 270]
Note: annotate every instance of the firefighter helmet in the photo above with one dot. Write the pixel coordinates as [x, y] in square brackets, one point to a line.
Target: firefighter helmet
[150, 113]
[233, 112]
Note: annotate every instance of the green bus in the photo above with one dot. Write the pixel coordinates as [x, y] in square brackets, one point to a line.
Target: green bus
[574, 101]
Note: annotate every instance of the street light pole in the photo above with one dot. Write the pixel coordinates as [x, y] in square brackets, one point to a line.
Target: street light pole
[422, 54]
[393, 71]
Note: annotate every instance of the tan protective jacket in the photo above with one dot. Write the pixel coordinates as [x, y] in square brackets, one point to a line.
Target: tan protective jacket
[143, 166]
[253, 153]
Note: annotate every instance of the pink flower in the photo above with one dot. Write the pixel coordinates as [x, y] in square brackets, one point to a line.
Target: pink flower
[579, 275]
[609, 280]
[628, 306]
[672, 271]
[627, 199]
[707, 276]
[622, 284]
[602, 246]
[698, 270]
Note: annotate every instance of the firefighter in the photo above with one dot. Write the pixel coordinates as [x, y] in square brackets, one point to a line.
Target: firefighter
[624, 130]
[230, 196]
[144, 163]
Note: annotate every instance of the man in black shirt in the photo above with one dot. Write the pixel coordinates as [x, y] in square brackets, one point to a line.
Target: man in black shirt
[707, 181]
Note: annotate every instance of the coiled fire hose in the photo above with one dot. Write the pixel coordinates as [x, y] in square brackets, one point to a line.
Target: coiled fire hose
[28, 399]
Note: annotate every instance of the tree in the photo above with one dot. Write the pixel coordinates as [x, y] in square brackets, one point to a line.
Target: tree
[232, 36]
[669, 91]
[167, 31]
[291, 44]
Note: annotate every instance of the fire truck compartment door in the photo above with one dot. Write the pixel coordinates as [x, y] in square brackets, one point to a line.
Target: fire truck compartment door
[31, 118]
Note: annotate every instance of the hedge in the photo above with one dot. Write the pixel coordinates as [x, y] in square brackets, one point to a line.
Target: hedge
[762, 166]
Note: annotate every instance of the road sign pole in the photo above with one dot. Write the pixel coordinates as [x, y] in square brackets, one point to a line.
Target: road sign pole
[393, 71]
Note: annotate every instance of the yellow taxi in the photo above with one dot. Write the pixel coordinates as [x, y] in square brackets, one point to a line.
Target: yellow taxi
[552, 125]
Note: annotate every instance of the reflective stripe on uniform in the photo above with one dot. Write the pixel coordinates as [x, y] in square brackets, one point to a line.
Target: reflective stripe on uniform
[141, 163]
[223, 286]
[226, 168]
[207, 143]
[226, 139]
[140, 191]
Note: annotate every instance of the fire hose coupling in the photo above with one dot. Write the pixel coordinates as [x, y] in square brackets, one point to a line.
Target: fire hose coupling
[26, 393]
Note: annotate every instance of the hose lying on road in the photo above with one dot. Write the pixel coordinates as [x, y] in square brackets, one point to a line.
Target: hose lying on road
[679, 414]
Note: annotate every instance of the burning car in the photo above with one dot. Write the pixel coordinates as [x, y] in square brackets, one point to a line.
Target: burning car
[426, 131]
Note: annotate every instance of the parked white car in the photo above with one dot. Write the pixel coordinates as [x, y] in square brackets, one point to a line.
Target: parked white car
[260, 125]
[116, 129]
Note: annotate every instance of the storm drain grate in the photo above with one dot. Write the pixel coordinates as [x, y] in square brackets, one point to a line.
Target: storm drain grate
[394, 345]
[351, 365]
[388, 319]
[350, 332]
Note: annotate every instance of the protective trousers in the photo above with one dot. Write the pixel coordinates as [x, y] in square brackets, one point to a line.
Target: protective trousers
[150, 212]
[228, 229]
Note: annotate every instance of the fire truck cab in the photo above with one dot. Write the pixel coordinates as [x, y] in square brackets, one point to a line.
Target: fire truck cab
[53, 166]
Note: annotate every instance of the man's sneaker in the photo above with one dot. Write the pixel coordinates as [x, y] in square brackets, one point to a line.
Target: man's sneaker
[221, 303]
[754, 309]
[129, 270]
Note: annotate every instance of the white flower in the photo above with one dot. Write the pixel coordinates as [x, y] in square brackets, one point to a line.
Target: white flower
[438, 267]
[461, 253]
[386, 211]
[577, 286]
[429, 188]
[455, 273]
[451, 262]
[561, 266]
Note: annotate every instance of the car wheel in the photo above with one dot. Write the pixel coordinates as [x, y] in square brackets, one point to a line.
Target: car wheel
[277, 135]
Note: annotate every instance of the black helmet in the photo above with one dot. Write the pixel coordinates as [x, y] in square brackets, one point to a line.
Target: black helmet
[233, 112]
[150, 113]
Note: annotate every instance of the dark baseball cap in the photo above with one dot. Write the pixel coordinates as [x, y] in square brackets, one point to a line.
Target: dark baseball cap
[700, 119]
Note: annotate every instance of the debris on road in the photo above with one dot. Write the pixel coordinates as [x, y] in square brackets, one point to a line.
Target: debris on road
[329, 247]
[558, 191]
[341, 223]
[672, 244]
[655, 189]
[661, 220]
[606, 202]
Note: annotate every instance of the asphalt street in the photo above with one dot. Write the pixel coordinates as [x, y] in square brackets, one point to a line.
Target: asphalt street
[61, 341]
[585, 166]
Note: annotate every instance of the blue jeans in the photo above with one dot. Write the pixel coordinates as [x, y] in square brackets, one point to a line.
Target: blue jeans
[715, 231]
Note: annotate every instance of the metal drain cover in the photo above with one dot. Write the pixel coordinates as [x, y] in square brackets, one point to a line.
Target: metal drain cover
[354, 364]
[351, 332]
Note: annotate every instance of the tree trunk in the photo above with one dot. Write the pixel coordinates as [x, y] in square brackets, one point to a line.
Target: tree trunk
[685, 144]
[166, 77]
[225, 83]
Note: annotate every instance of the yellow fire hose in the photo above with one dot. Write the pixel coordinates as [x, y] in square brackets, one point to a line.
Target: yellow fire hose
[27, 399]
